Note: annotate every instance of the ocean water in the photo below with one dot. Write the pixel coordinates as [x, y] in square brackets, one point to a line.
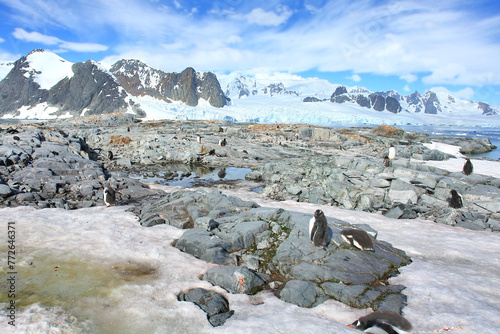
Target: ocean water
[493, 134]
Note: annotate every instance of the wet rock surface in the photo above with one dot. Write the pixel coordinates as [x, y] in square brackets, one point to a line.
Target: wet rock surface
[267, 248]
[214, 304]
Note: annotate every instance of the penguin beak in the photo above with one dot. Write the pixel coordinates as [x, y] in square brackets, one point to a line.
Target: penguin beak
[351, 325]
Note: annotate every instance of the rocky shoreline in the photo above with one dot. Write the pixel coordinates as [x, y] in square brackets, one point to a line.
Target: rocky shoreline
[66, 164]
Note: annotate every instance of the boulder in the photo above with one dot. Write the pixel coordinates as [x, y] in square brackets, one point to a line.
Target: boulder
[235, 279]
[214, 304]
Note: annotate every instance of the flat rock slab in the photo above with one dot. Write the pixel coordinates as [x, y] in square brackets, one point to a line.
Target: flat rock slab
[235, 279]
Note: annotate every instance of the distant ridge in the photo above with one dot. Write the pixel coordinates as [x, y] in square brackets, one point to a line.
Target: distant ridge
[43, 85]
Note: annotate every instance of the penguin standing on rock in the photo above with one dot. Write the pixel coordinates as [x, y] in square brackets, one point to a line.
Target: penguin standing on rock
[110, 155]
[358, 238]
[383, 322]
[318, 229]
[468, 168]
[392, 152]
[109, 196]
[456, 201]
[222, 142]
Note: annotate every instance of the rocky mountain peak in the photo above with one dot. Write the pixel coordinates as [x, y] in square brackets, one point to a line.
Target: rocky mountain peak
[139, 79]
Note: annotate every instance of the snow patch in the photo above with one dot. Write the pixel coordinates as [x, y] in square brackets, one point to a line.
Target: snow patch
[48, 69]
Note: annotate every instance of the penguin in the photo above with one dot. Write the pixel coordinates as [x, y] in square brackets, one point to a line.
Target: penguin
[318, 229]
[128, 129]
[109, 196]
[455, 200]
[198, 139]
[388, 322]
[222, 173]
[358, 238]
[392, 152]
[222, 142]
[468, 168]
[387, 161]
[110, 155]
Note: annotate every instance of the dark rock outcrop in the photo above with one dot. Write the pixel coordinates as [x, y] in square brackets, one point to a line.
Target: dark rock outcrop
[486, 108]
[378, 102]
[19, 89]
[214, 304]
[90, 91]
[431, 104]
[311, 99]
[139, 79]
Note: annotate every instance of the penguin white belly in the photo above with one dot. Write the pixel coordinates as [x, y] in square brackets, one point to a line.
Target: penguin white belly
[392, 153]
[311, 225]
[375, 330]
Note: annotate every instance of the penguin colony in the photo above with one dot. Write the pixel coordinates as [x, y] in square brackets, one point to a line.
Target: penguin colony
[383, 322]
[318, 229]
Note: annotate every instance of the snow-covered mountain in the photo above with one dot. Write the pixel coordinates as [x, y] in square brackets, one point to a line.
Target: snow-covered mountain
[43, 85]
[315, 90]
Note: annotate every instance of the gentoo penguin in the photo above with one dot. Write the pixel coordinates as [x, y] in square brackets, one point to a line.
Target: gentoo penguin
[222, 173]
[456, 199]
[198, 139]
[358, 238]
[109, 196]
[392, 152]
[222, 142]
[318, 229]
[387, 161]
[110, 155]
[383, 322]
[468, 168]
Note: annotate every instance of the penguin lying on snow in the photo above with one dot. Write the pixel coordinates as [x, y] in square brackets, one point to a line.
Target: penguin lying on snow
[109, 196]
[468, 168]
[318, 229]
[358, 238]
[383, 322]
[455, 200]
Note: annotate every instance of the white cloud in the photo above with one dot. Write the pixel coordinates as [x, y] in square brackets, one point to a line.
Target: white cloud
[36, 37]
[465, 94]
[439, 41]
[409, 77]
[406, 88]
[355, 78]
[2, 40]
[261, 17]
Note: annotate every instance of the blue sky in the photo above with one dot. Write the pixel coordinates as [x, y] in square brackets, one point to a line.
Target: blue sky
[380, 45]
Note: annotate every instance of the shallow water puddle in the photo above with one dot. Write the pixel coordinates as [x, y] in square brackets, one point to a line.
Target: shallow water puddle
[72, 283]
[196, 177]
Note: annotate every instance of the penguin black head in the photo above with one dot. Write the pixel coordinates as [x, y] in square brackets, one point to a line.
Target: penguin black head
[318, 213]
